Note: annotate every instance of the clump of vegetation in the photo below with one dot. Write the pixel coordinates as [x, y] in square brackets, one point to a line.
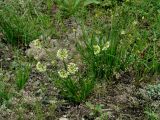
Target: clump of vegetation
[22, 75]
[72, 7]
[22, 21]
[96, 110]
[151, 114]
[4, 93]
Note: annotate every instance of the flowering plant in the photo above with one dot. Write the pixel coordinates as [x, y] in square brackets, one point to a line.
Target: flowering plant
[98, 54]
[73, 87]
[67, 76]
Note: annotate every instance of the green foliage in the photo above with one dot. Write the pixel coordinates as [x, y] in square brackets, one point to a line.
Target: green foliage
[132, 45]
[39, 111]
[76, 90]
[4, 89]
[4, 93]
[95, 109]
[151, 114]
[145, 37]
[24, 21]
[22, 75]
[110, 3]
[72, 7]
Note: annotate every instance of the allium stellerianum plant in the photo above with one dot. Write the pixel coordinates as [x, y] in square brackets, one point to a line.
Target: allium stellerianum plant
[68, 78]
[73, 86]
[69, 69]
[97, 53]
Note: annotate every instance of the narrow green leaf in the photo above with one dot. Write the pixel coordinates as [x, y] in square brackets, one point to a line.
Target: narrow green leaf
[88, 2]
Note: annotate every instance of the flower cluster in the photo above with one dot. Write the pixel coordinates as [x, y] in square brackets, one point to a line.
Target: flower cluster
[62, 54]
[36, 43]
[106, 45]
[72, 68]
[97, 48]
[63, 73]
[53, 62]
[41, 67]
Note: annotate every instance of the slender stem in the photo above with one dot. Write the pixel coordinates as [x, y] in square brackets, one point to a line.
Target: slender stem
[65, 65]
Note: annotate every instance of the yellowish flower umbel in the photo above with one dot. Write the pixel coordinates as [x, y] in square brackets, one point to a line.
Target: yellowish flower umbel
[63, 73]
[41, 67]
[106, 45]
[97, 49]
[74, 30]
[62, 54]
[135, 22]
[72, 68]
[37, 43]
[53, 62]
[98, 32]
[123, 32]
